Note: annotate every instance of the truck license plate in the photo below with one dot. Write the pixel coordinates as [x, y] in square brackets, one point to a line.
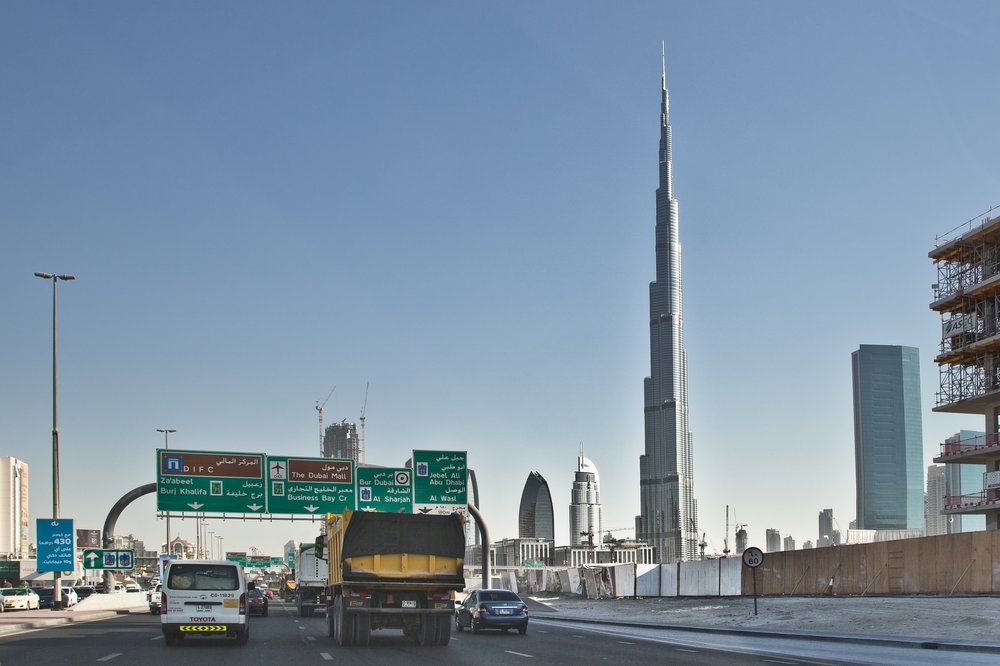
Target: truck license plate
[409, 603]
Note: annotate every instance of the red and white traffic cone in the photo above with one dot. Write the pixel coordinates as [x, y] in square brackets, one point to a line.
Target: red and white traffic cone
[828, 592]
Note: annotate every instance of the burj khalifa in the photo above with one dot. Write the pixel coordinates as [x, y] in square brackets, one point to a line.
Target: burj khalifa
[669, 514]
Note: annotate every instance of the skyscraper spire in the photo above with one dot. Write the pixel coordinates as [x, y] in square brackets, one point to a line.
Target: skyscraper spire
[668, 520]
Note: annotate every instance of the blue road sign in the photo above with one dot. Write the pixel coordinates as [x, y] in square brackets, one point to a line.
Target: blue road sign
[55, 544]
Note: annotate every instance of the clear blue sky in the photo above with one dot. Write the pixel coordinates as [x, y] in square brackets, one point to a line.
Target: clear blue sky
[455, 203]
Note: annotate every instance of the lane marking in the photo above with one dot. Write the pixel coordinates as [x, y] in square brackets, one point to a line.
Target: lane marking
[775, 661]
[626, 643]
[686, 650]
[520, 654]
[157, 637]
[310, 638]
[110, 656]
[575, 636]
[326, 656]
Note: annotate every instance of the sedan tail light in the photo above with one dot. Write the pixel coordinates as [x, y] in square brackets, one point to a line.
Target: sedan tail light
[483, 608]
[243, 604]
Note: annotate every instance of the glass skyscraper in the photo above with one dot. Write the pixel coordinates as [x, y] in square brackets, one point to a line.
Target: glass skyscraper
[535, 518]
[888, 438]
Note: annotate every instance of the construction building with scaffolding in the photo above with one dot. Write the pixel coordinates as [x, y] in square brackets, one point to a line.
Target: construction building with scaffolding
[967, 296]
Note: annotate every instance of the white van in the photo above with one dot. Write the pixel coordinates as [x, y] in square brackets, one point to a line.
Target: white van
[204, 598]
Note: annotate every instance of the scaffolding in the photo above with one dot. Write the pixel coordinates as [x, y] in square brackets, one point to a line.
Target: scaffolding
[967, 296]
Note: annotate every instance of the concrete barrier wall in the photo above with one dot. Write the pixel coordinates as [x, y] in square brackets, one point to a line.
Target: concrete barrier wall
[647, 580]
[699, 578]
[730, 576]
[668, 580]
[967, 563]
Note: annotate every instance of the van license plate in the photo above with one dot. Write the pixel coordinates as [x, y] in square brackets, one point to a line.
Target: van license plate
[409, 603]
[204, 608]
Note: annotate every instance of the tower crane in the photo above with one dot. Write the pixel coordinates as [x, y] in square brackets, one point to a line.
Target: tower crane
[364, 405]
[319, 408]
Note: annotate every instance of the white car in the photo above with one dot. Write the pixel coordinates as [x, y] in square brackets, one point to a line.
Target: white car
[19, 598]
[153, 597]
[132, 587]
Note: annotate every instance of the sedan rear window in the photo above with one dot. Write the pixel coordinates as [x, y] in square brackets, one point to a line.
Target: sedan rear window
[498, 595]
[202, 577]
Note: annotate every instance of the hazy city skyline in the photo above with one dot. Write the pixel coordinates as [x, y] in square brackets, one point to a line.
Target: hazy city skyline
[455, 204]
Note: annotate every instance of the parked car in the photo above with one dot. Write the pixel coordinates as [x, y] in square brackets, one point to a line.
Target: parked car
[46, 596]
[19, 598]
[257, 602]
[132, 586]
[153, 597]
[84, 591]
[492, 609]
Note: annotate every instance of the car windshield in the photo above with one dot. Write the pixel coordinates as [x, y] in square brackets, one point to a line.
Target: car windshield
[498, 595]
[202, 577]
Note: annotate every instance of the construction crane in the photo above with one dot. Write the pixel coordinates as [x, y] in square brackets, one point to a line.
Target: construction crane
[319, 408]
[364, 405]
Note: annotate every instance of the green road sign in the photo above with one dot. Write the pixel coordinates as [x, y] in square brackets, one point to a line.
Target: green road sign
[309, 485]
[439, 479]
[205, 481]
[120, 560]
[387, 489]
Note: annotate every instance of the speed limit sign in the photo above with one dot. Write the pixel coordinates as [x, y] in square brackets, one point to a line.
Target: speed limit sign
[753, 557]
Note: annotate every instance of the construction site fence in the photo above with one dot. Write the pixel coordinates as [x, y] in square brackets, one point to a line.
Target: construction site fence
[950, 564]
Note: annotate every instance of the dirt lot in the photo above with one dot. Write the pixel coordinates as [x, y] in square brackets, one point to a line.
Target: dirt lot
[956, 618]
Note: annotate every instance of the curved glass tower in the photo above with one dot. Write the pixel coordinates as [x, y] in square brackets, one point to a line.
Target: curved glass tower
[669, 519]
[535, 518]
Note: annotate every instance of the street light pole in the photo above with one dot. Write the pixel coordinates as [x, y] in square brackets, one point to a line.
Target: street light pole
[211, 545]
[166, 444]
[56, 583]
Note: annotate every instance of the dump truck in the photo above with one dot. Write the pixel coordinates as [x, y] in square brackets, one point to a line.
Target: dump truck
[310, 580]
[392, 571]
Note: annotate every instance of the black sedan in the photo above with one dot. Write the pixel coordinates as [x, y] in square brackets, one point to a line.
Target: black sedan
[492, 609]
[257, 602]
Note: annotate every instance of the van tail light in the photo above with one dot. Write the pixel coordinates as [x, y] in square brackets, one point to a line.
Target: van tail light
[163, 603]
[243, 604]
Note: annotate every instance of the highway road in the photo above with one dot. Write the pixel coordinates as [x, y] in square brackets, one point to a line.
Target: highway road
[283, 639]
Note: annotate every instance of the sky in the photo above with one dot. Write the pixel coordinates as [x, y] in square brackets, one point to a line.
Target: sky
[453, 204]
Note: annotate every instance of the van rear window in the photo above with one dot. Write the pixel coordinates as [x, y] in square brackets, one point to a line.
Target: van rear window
[202, 577]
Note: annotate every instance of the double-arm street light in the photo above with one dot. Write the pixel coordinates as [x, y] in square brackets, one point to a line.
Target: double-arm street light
[166, 444]
[55, 277]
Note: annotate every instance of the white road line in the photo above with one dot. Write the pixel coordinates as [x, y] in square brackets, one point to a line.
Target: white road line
[684, 650]
[626, 643]
[310, 638]
[157, 637]
[110, 656]
[520, 654]
[326, 656]
[575, 636]
[775, 661]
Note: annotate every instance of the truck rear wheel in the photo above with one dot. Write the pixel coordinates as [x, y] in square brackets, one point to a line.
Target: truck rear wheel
[443, 630]
[427, 633]
[362, 629]
[343, 624]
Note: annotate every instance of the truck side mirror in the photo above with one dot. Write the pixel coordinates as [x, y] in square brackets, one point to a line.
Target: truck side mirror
[320, 545]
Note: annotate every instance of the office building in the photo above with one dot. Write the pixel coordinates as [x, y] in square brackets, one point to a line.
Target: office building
[825, 523]
[773, 539]
[668, 519]
[13, 507]
[585, 504]
[340, 440]
[788, 544]
[534, 516]
[888, 439]
[935, 522]
[965, 295]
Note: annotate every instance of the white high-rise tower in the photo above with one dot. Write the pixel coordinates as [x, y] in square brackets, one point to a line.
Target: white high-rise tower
[669, 517]
[585, 507]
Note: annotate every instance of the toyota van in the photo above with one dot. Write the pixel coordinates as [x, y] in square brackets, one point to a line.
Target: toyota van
[204, 598]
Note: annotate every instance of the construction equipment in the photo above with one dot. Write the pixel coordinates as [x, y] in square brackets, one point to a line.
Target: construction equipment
[362, 419]
[319, 408]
